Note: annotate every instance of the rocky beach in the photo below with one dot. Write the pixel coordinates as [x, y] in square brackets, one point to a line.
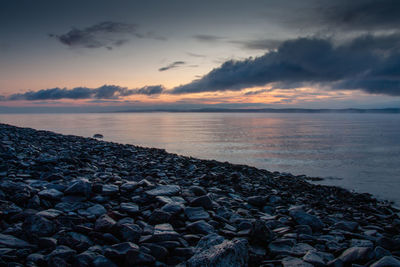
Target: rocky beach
[74, 201]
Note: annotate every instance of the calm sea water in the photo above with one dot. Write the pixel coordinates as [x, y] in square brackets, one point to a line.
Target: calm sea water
[360, 152]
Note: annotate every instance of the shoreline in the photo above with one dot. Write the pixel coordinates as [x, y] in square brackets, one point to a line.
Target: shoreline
[88, 202]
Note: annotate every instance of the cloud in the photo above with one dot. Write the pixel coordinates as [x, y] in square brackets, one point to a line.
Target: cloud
[259, 44]
[362, 14]
[207, 38]
[102, 92]
[370, 63]
[195, 55]
[257, 92]
[172, 65]
[106, 34]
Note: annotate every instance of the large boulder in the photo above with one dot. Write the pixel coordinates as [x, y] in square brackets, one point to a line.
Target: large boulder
[227, 254]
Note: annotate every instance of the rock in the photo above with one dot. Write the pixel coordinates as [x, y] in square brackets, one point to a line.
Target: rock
[361, 243]
[208, 241]
[157, 251]
[137, 258]
[159, 216]
[118, 252]
[164, 190]
[110, 190]
[197, 190]
[260, 233]
[356, 255]
[258, 201]
[281, 246]
[76, 240]
[38, 226]
[50, 213]
[196, 213]
[62, 252]
[173, 208]
[200, 227]
[387, 261]
[104, 223]
[295, 262]
[13, 242]
[51, 194]
[318, 258]
[100, 136]
[346, 226]
[228, 253]
[302, 217]
[130, 232]
[129, 208]
[101, 261]
[202, 201]
[79, 187]
[96, 210]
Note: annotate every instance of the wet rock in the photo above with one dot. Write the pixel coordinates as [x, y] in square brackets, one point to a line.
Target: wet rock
[197, 190]
[260, 233]
[200, 227]
[38, 226]
[196, 213]
[13, 242]
[51, 194]
[356, 255]
[202, 201]
[104, 223]
[257, 201]
[79, 187]
[387, 261]
[228, 253]
[129, 208]
[110, 190]
[164, 190]
[302, 217]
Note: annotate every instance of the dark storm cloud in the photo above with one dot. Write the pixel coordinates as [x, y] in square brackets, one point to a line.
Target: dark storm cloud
[102, 92]
[172, 65]
[362, 14]
[106, 34]
[207, 38]
[259, 44]
[374, 68]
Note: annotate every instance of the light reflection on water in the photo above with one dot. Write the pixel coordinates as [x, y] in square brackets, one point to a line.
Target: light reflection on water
[361, 150]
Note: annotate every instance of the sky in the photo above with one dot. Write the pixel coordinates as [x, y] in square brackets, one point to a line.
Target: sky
[99, 55]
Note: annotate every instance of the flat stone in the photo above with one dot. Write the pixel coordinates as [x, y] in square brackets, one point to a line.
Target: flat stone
[50, 213]
[110, 190]
[38, 226]
[129, 208]
[202, 201]
[164, 190]
[295, 262]
[104, 223]
[196, 213]
[51, 194]
[13, 242]
[258, 201]
[79, 187]
[200, 227]
[318, 258]
[96, 210]
[356, 254]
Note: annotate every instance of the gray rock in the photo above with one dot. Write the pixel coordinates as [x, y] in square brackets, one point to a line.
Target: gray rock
[101, 261]
[62, 252]
[118, 251]
[159, 216]
[197, 190]
[50, 213]
[208, 241]
[164, 190]
[104, 223]
[295, 262]
[51, 194]
[96, 210]
[387, 261]
[202, 201]
[302, 217]
[356, 255]
[79, 187]
[13, 242]
[173, 208]
[200, 227]
[227, 254]
[110, 190]
[281, 246]
[258, 201]
[130, 232]
[346, 226]
[129, 208]
[361, 243]
[196, 213]
[38, 226]
[318, 258]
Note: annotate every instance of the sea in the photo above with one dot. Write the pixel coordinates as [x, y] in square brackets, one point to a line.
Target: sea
[360, 152]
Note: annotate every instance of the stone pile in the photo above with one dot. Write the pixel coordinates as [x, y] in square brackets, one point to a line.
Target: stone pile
[74, 201]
